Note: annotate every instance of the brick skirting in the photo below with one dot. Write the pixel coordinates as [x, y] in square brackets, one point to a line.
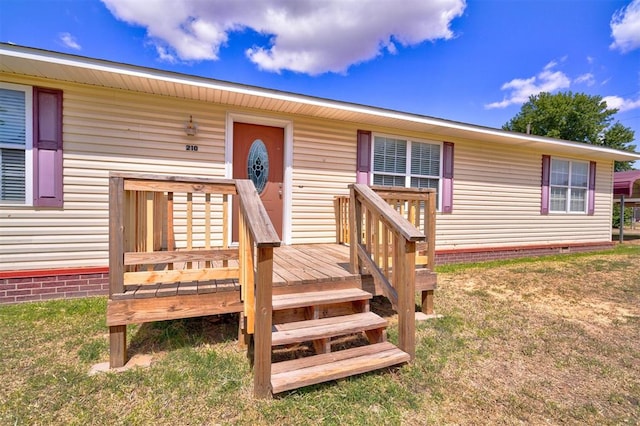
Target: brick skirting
[28, 286]
[445, 257]
[24, 286]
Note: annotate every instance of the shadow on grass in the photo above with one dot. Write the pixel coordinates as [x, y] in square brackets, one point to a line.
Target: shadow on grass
[189, 332]
[163, 336]
[382, 306]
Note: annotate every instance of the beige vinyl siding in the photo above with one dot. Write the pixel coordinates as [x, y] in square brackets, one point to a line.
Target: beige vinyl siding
[497, 192]
[496, 187]
[496, 203]
[109, 130]
[324, 164]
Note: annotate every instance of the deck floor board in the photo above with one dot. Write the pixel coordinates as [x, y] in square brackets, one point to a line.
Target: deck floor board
[293, 265]
[321, 262]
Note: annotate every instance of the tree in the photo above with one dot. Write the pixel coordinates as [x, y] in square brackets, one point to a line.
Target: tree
[574, 117]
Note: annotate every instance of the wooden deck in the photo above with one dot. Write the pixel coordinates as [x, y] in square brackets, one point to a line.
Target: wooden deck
[292, 266]
[308, 265]
[317, 266]
[170, 258]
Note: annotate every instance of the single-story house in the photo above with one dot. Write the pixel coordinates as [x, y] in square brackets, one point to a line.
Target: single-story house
[68, 121]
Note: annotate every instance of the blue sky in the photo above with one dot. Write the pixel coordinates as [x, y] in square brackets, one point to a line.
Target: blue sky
[474, 61]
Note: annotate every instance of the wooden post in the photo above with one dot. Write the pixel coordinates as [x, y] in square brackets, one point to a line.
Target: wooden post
[207, 226]
[171, 238]
[345, 218]
[242, 276]
[338, 216]
[368, 226]
[406, 288]
[355, 228]
[621, 236]
[427, 302]
[225, 226]
[189, 265]
[159, 221]
[385, 244]
[250, 283]
[117, 334]
[413, 216]
[430, 231]
[262, 336]
[148, 224]
[117, 346]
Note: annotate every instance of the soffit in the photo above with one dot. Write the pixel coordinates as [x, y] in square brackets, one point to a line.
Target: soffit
[82, 70]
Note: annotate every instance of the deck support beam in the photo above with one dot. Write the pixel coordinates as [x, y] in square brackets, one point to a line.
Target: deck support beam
[427, 302]
[117, 346]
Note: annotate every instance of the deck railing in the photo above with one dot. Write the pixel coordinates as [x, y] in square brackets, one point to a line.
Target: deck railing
[417, 205]
[257, 238]
[170, 229]
[384, 242]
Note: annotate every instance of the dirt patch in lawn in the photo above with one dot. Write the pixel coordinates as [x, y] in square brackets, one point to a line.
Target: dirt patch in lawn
[548, 341]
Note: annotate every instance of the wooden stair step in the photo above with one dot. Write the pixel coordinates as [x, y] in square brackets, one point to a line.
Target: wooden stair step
[288, 375]
[313, 298]
[302, 331]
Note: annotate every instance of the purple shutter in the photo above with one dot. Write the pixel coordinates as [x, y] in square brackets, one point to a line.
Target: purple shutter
[447, 177]
[47, 147]
[546, 169]
[363, 161]
[592, 189]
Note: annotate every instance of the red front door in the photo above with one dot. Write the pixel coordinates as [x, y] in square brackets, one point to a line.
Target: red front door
[258, 154]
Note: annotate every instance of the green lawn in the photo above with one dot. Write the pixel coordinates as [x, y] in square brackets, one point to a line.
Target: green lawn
[528, 341]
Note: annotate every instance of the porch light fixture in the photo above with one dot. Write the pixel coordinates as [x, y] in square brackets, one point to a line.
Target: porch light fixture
[191, 128]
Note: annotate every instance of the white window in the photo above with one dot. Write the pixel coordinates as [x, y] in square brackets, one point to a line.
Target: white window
[402, 162]
[568, 183]
[15, 144]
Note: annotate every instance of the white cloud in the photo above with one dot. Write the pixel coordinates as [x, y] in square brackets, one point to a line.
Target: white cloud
[165, 55]
[587, 79]
[305, 35]
[621, 104]
[519, 90]
[69, 41]
[625, 28]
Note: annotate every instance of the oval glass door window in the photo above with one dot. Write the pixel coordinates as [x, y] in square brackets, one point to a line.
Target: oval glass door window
[258, 165]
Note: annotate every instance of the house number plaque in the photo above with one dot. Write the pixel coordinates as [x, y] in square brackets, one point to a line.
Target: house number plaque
[191, 147]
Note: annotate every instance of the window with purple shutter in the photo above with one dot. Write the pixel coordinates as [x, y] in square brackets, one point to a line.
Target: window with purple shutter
[398, 161]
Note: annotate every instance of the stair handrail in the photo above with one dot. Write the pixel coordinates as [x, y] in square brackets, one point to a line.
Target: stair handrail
[256, 239]
[384, 227]
[417, 205]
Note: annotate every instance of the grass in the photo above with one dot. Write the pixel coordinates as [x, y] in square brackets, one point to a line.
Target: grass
[551, 340]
